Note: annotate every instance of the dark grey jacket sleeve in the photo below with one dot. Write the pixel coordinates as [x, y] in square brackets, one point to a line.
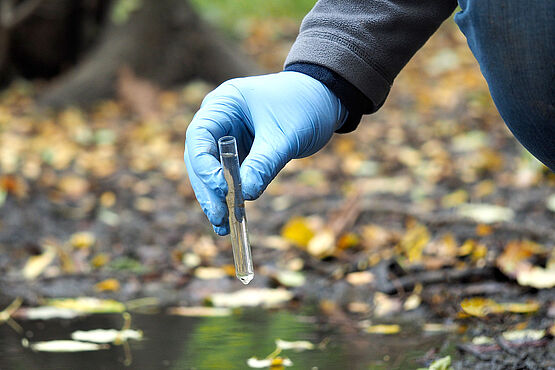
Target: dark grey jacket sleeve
[367, 42]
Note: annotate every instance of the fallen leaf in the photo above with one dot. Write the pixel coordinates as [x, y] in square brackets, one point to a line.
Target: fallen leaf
[383, 329]
[35, 265]
[412, 302]
[193, 260]
[481, 307]
[269, 362]
[360, 278]
[100, 260]
[200, 311]
[297, 231]
[106, 335]
[108, 285]
[436, 327]
[537, 277]
[252, 297]
[73, 186]
[46, 313]
[526, 335]
[454, 199]
[515, 254]
[443, 363]
[469, 141]
[290, 278]
[322, 244]
[517, 307]
[207, 273]
[88, 304]
[483, 230]
[482, 340]
[82, 240]
[65, 346]
[414, 241]
[107, 199]
[358, 307]
[348, 240]
[298, 346]
[385, 305]
[486, 213]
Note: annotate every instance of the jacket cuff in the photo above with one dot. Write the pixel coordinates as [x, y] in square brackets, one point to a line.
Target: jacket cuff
[344, 58]
[352, 98]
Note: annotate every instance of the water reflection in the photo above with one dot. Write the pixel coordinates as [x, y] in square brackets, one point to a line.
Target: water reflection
[175, 342]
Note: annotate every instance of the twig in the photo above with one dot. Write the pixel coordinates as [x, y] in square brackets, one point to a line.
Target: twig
[407, 282]
[474, 352]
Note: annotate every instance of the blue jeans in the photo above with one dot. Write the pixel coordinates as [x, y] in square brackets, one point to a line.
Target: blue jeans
[514, 42]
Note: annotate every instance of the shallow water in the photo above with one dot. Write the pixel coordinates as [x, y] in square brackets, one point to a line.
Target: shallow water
[173, 342]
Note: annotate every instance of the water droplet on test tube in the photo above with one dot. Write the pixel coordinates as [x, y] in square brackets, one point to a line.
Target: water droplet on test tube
[236, 207]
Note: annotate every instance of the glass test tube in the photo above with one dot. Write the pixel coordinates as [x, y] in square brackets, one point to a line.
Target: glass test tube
[236, 207]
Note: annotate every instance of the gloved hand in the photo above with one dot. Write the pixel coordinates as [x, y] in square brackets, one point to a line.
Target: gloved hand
[275, 118]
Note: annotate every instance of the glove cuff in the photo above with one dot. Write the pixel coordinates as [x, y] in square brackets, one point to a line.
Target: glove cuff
[352, 98]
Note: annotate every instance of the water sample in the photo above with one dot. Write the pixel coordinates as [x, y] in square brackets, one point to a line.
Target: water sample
[236, 206]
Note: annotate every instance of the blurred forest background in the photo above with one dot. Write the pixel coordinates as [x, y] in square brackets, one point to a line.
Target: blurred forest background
[431, 206]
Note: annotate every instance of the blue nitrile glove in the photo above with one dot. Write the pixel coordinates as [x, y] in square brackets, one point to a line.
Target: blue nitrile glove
[275, 118]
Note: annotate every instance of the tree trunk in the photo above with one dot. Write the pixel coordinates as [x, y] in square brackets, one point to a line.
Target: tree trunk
[164, 41]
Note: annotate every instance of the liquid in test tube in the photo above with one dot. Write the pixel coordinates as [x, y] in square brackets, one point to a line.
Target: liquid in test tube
[236, 207]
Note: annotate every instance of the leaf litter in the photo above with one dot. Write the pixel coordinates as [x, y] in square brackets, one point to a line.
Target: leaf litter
[436, 161]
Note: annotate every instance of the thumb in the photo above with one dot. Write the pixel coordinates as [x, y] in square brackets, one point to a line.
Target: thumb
[261, 166]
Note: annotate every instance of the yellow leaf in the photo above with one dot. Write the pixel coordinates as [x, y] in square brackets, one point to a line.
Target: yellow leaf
[515, 253]
[100, 260]
[483, 230]
[108, 199]
[467, 247]
[82, 240]
[36, 264]
[383, 329]
[414, 241]
[481, 307]
[454, 199]
[108, 285]
[480, 251]
[297, 231]
[348, 240]
[517, 307]
[88, 304]
[483, 188]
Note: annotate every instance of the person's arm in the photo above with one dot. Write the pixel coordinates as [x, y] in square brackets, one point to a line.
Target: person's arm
[342, 65]
[357, 48]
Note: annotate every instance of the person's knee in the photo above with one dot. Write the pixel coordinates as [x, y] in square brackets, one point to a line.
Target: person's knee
[512, 41]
